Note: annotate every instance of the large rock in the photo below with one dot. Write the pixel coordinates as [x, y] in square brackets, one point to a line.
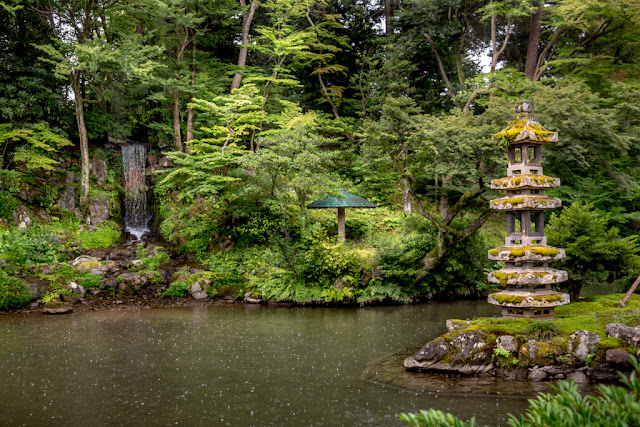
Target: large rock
[21, 217]
[69, 177]
[132, 280]
[196, 291]
[624, 332]
[57, 307]
[464, 354]
[453, 324]
[76, 289]
[428, 355]
[618, 357]
[602, 372]
[507, 342]
[99, 170]
[67, 199]
[251, 298]
[150, 173]
[99, 209]
[579, 377]
[120, 254]
[537, 374]
[165, 162]
[469, 342]
[583, 343]
[90, 264]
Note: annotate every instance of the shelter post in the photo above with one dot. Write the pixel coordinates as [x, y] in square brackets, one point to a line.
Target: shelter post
[342, 234]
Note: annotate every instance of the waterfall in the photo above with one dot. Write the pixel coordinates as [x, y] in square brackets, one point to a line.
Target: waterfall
[136, 211]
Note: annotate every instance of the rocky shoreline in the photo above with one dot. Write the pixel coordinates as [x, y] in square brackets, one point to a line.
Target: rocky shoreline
[583, 356]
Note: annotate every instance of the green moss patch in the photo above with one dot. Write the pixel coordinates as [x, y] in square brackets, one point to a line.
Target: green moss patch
[516, 126]
[592, 315]
[514, 181]
[516, 299]
[518, 251]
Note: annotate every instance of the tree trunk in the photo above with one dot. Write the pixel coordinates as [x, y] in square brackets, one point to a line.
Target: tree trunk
[84, 143]
[192, 84]
[342, 235]
[388, 17]
[534, 42]
[633, 288]
[458, 55]
[407, 197]
[177, 137]
[575, 287]
[246, 26]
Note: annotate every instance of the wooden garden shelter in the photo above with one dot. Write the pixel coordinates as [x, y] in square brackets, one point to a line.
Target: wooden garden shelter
[346, 200]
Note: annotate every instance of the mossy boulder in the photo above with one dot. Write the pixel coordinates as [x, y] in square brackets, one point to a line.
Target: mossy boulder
[89, 264]
[57, 307]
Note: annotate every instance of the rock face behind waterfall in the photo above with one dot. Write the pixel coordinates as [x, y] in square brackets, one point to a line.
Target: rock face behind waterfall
[136, 210]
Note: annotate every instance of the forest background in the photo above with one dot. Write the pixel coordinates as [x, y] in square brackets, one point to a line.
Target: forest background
[264, 106]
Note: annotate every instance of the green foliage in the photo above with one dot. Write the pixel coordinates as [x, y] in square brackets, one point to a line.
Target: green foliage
[201, 174]
[542, 330]
[151, 261]
[192, 227]
[229, 119]
[567, 407]
[28, 246]
[175, 290]
[595, 251]
[290, 166]
[460, 272]
[433, 418]
[14, 293]
[63, 274]
[107, 234]
[38, 143]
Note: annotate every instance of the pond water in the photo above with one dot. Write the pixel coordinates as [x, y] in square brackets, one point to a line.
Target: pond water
[237, 365]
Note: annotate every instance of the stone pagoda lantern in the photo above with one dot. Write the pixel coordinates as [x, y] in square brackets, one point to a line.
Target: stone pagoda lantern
[526, 278]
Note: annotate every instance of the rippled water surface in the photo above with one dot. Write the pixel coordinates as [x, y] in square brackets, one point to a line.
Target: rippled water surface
[236, 365]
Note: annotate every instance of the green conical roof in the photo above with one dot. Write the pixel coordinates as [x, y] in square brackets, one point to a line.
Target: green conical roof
[347, 200]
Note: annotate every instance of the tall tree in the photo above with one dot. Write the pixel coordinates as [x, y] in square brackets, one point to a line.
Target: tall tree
[91, 58]
[247, 19]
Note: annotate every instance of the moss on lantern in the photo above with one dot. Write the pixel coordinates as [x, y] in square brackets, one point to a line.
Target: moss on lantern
[517, 125]
[517, 299]
[541, 180]
[518, 251]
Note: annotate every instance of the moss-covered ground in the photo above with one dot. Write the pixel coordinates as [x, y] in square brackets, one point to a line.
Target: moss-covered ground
[591, 315]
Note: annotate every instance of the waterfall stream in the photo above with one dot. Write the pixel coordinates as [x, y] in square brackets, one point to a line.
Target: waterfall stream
[136, 211]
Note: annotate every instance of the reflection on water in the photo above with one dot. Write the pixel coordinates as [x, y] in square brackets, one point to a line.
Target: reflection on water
[236, 365]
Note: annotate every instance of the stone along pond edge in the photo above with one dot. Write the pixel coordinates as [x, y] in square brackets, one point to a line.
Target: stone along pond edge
[588, 341]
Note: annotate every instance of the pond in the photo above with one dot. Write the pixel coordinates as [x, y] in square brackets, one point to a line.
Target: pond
[237, 365]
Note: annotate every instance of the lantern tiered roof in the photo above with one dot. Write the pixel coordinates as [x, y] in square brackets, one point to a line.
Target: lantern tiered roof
[527, 278]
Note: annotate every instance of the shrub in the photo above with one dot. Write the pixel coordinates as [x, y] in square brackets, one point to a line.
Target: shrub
[151, 262]
[175, 290]
[461, 271]
[105, 236]
[595, 252]
[62, 274]
[29, 246]
[14, 293]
